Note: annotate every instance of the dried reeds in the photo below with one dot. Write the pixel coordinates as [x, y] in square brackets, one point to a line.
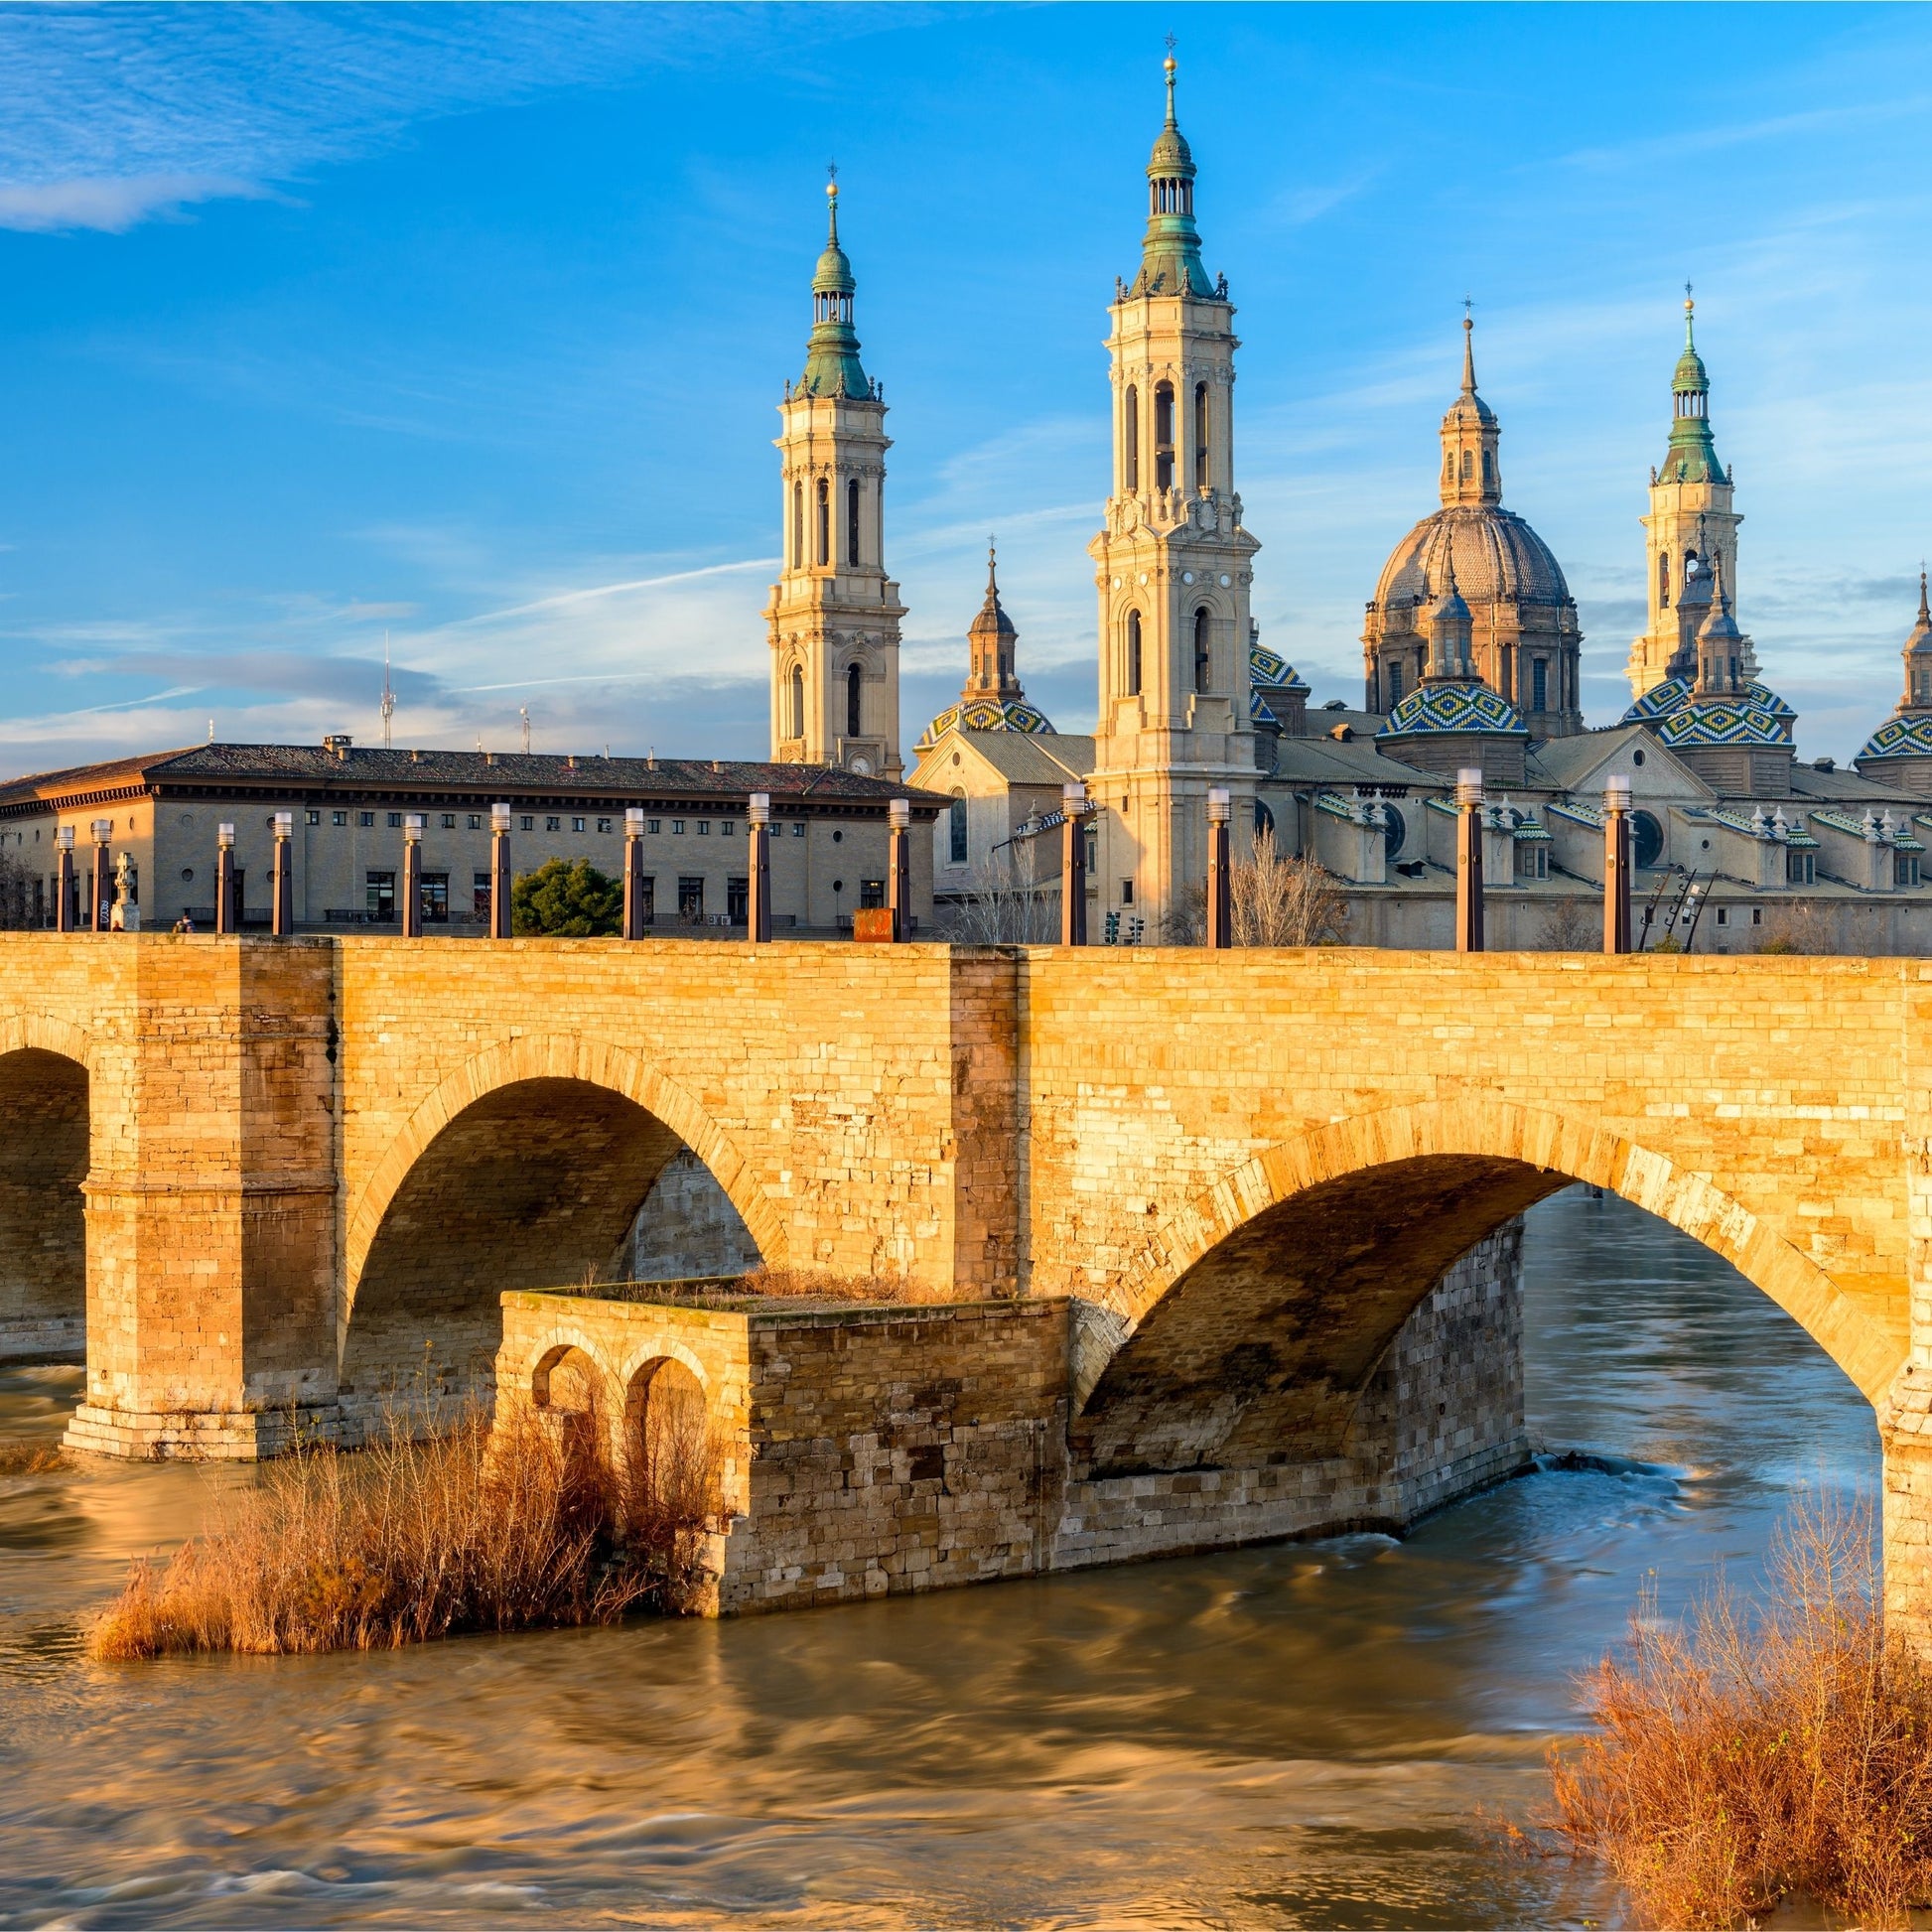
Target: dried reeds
[526, 1526]
[1756, 1751]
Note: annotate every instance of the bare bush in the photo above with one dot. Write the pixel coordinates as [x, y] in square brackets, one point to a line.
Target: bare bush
[16, 894]
[1280, 900]
[1571, 925]
[1006, 905]
[1762, 1752]
[405, 1540]
[1805, 926]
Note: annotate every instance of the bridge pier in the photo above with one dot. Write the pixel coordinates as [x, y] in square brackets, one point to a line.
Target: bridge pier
[1905, 1432]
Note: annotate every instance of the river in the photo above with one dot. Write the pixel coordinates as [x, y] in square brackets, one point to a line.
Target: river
[1296, 1735]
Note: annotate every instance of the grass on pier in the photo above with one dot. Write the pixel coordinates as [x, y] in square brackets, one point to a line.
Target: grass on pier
[1760, 1750]
[405, 1540]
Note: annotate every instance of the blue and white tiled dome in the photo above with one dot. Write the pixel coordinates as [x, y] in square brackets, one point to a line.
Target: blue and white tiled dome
[1439, 708]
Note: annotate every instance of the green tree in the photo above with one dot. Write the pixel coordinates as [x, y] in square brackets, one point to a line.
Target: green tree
[560, 901]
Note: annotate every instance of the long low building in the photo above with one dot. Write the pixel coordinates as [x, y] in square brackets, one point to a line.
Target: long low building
[349, 804]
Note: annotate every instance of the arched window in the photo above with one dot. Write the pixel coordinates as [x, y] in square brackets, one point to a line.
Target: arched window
[1468, 465]
[1201, 435]
[1448, 466]
[1133, 654]
[1204, 659]
[957, 830]
[852, 521]
[824, 521]
[1131, 439]
[1488, 470]
[1164, 435]
[798, 526]
[797, 720]
[1539, 684]
[1663, 581]
[1395, 682]
[853, 695]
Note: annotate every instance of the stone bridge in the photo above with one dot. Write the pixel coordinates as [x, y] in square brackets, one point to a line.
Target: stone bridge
[275, 1181]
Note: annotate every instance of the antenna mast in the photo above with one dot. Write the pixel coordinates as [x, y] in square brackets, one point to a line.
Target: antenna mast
[388, 696]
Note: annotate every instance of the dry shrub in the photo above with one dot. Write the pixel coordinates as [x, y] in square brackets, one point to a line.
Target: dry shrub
[823, 1285]
[1571, 925]
[1279, 901]
[404, 1541]
[1762, 1750]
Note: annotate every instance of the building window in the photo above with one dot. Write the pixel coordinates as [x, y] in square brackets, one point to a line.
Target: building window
[690, 900]
[436, 899]
[1127, 891]
[798, 829]
[576, 824]
[365, 818]
[1131, 439]
[737, 901]
[1203, 656]
[852, 521]
[824, 521]
[1468, 465]
[603, 825]
[647, 897]
[871, 895]
[1800, 869]
[1395, 684]
[1201, 435]
[729, 829]
[382, 895]
[1905, 868]
[1663, 581]
[449, 821]
[480, 897]
[1164, 435]
[1724, 916]
[854, 700]
[1539, 684]
[797, 525]
[475, 821]
[957, 830]
[339, 819]
[1647, 839]
[1133, 654]
[527, 823]
[797, 720]
[1757, 915]
[1488, 470]
[553, 823]
[704, 828]
[395, 820]
[653, 825]
[677, 828]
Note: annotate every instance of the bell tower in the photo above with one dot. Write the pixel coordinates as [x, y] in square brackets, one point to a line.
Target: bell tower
[1689, 517]
[1173, 567]
[834, 614]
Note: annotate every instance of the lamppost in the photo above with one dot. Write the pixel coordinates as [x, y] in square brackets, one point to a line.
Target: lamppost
[1616, 863]
[282, 911]
[499, 871]
[224, 917]
[1073, 864]
[633, 871]
[1469, 860]
[899, 820]
[104, 830]
[64, 885]
[412, 874]
[757, 817]
[1220, 886]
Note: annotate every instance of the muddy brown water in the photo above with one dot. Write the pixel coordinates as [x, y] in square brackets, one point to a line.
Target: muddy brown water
[1296, 1735]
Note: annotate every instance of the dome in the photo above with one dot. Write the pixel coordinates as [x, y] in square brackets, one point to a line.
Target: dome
[1899, 737]
[1269, 670]
[1724, 722]
[1493, 552]
[1674, 693]
[833, 275]
[1460, 707]
[985, 715]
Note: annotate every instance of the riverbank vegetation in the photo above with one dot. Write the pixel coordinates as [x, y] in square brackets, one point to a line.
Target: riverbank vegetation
[530, 1525]
[1762, 1749]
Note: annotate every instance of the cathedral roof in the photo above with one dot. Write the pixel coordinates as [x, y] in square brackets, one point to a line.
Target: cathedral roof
[1270, 670]
[1674, 693]
[984, 715]
[1724, 720]
[992, 700]
[832, 365]
[1494, 555]
[1170, 262]
[1899, 737]
[1458, 707]
[1693, 455]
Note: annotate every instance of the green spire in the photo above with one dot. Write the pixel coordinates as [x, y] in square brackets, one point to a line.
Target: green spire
[832, 366]
[1170, 251]
[1692, 456]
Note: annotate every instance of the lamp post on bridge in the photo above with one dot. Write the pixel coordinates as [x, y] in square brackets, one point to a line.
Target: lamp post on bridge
[224, 919]
[412, 874]
[1616, 863]
[633, 871]
[757, 819]
[1468, 858]
[64, 885]
[1073, 864]
[281, 921]
[104, 830]
[499, 871]
[1220, 885]
[899, 867]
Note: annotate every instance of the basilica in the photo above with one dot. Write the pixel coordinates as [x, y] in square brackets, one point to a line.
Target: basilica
[1470, 658]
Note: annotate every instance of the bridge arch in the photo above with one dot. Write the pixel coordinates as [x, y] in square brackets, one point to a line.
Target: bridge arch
[1254, 1316]
[524, 1168]
[46, 1083]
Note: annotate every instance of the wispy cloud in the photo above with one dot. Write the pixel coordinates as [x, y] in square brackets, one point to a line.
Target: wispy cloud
[112, 204]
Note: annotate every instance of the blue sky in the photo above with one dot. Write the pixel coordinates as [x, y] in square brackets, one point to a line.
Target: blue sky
[469, 325]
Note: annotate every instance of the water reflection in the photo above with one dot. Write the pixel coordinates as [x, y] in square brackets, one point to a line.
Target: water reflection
[1288, 1736]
